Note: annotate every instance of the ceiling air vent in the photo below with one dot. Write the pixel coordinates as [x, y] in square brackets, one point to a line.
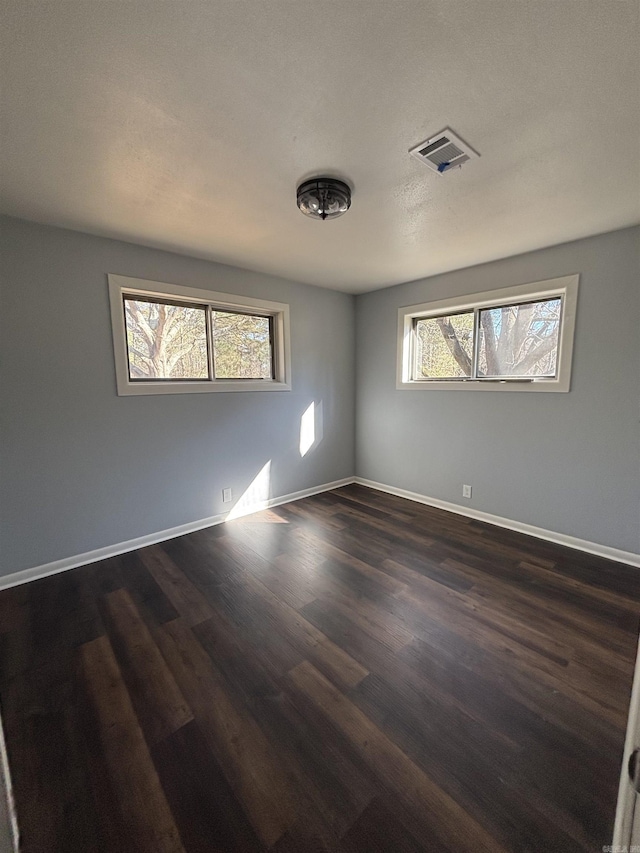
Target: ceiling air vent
[443, 152]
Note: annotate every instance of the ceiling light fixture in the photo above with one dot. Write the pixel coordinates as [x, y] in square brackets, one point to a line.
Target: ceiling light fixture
[324, 198]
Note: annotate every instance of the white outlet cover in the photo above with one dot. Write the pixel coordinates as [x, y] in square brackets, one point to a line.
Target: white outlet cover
[226, 496]
[466, 491]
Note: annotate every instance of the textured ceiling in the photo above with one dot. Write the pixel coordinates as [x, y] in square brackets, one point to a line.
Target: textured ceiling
[187, 126]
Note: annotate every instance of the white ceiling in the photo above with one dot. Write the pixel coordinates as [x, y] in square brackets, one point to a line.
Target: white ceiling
[187, 126]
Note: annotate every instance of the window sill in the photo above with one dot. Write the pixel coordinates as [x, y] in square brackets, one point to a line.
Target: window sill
[134, 389]
[549, 385]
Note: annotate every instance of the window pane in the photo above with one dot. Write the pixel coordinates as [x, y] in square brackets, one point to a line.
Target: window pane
[520, 340]
[166, 341]
[444, 347]
[242, 346]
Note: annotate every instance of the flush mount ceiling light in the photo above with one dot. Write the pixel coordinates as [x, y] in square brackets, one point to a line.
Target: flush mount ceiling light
[324, 198]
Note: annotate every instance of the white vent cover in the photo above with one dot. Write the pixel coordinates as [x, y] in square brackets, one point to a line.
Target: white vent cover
[443, 152]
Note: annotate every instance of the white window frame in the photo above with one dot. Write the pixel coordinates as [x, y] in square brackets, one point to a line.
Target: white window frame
[122, 286]
[565, 287]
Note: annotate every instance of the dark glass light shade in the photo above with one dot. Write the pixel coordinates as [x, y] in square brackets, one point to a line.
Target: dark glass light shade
[324, 198]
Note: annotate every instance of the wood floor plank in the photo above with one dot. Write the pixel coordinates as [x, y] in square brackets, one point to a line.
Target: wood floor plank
[284, 576]
[339, 501]
[249, 763]
[361, 574]
[52, 783]
[205, 809]
[448, 821]
[381, 625]
[13, 607]
[244, 608]
[143, 805]
[585, 591]
[267, 540]
[343, 630]
[379, 830]
[558, 613]
[63, 614]
[153, 604]
[462, 663]
[160, 706]
[499, 631]
[391, 506]
[335, 791]
[410, 551]
[490, 788]
[317, 518]
[300, 838]
[344, 546]
[201, 561]
[312, 643]
[185, 597]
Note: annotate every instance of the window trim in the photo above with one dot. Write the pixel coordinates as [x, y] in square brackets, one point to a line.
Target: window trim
[121, 287]
[565, 287]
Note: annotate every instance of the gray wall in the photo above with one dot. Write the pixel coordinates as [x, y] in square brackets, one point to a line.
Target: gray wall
[565, 462]
[84, 468]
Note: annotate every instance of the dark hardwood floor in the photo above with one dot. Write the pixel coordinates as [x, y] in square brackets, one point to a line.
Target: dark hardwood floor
[351, 672]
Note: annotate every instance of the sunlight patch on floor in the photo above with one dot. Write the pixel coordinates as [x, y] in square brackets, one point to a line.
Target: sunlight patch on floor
[256, 495]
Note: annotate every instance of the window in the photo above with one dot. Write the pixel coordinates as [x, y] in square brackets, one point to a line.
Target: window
[515, 339]
[170, 339]
[165, 340]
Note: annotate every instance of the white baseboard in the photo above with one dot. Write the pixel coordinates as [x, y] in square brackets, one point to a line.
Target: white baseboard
[31, 574]
[605, 551]
[37, 572]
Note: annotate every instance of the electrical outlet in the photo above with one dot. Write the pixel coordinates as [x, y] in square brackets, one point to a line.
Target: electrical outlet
[466, 491]
[227, 496]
